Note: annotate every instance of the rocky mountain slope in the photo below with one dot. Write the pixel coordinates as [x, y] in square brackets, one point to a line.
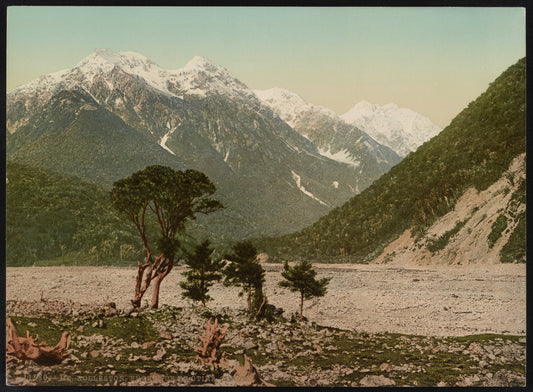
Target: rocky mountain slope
[115, 113]
[401, 129]
[478, 158]
[484, 227]
[334, 138]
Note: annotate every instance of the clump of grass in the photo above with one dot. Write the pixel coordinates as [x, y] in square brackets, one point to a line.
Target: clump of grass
[130, 329]
[48, 331]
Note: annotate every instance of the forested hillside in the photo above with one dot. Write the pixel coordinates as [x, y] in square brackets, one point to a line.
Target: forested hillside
[474, 150]
[52, 217]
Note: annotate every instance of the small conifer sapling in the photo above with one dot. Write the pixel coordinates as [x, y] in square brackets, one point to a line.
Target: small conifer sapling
[301, 278]
[244, 270]
[203, 272]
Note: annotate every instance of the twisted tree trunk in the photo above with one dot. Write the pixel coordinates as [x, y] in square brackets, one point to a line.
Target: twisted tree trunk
[209, 351]
[140, 287]
[160, 275]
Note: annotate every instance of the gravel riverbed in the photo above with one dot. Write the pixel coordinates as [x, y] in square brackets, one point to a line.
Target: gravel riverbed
[432, 301]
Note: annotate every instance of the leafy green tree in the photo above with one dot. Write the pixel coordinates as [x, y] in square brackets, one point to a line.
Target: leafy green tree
[171, 198]
[301, 278]
[203, 273]
[244, 270]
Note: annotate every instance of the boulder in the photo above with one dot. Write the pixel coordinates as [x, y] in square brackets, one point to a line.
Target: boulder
[376, 381]
[159, 354]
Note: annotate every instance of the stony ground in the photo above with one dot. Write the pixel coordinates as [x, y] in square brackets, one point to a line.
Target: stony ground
[440, 301]
[376, 326]
[147, 347]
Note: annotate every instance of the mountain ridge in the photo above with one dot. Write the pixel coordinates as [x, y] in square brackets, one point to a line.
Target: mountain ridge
[334, 138]
[400, 129]
[272, 179]
[474, 151]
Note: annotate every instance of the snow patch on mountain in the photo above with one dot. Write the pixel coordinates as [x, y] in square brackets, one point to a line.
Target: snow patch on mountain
[163, 141]
[340, 156]
[401, 129]
[298, 180]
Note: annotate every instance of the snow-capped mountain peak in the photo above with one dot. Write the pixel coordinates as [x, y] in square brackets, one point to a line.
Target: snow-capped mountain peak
[390, 106]
[199, 62]
[128, 61]
[401, 129]
[364, 106]
[199, 76]
[288, 105]
[103, 61]
[335, 138]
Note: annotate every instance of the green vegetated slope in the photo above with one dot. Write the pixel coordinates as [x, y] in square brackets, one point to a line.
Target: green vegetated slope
[474, 150]
[62, 220]
[86, 141]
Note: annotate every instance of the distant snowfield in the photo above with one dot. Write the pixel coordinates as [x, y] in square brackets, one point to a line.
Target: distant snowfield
[437, 301]
[401, 129]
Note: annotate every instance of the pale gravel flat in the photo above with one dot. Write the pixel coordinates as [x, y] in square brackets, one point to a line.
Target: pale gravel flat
[437, 301]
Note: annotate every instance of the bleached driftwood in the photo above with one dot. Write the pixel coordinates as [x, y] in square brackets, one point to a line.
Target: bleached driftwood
[23, 349]
[209, 351]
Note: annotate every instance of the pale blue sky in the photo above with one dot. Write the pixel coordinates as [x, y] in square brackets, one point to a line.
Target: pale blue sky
[432, 60]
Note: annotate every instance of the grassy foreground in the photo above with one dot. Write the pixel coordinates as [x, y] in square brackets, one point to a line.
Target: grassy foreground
[146, 347]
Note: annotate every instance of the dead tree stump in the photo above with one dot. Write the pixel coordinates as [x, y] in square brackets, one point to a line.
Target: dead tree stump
[23, 349]
[248, 376]
[209, 351]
